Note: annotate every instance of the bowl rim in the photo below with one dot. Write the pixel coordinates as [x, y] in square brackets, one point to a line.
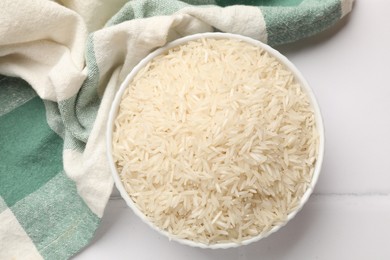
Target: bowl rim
[216, 35]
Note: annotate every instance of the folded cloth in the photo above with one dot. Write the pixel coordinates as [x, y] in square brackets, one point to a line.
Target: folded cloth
[62, 62]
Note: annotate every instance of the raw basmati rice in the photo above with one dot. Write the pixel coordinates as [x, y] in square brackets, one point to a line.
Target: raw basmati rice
[215, 141]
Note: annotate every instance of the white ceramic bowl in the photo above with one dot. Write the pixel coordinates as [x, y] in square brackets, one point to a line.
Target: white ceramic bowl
[282, 59]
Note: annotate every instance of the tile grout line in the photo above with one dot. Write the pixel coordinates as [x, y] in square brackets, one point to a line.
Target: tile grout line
[352, 194]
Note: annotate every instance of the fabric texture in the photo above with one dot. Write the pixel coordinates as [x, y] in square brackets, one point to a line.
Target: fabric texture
[61, 63]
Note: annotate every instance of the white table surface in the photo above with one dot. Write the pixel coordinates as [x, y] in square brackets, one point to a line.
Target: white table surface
[348, 217]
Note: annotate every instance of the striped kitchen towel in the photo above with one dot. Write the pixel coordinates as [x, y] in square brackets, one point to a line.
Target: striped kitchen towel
[61, 63]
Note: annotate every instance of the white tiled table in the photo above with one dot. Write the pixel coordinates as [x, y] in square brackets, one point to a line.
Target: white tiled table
[348, 217]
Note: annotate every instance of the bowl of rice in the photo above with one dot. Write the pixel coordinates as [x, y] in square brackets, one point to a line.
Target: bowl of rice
[215, 140]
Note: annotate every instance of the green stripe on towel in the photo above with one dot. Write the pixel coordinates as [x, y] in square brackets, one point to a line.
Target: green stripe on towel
[288, 24]
[30, 152]
[56, 218]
